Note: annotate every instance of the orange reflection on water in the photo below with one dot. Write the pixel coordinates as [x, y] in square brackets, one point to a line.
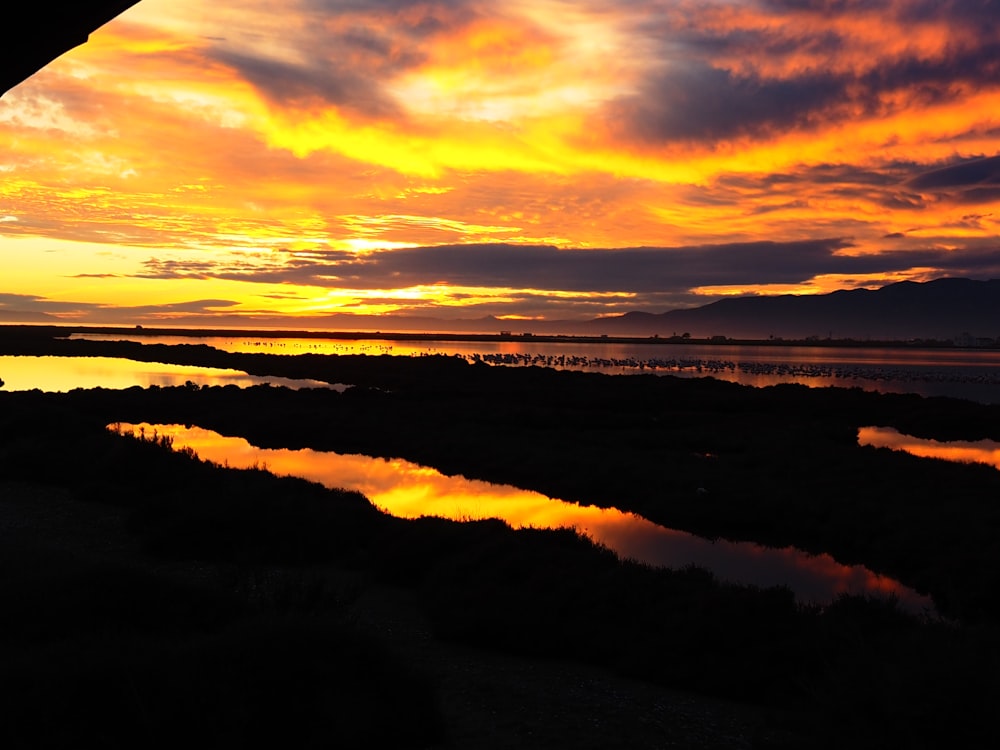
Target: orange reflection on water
[402, 488]
[408, 490]
[961, 451]
[62, 374]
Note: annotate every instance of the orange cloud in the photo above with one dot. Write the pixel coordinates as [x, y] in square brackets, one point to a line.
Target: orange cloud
[196, 132]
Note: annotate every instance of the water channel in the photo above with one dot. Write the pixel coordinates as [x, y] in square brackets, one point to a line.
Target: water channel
[962, 451]
[408, 490]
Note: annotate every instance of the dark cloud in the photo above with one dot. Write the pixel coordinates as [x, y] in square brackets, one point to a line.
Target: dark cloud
[978, 196]
[816, 178]
[697, 102]
[827, 7]
[156, 268]
[936, 80]
[901, 200]
[642, 271]
[632, 270]
[965, 182]
[192, 306]
[962, 173]
[896, 185]
[529, 305]
[349, 50]
[983, 263]
[353, 48]
[274, 269]
[38, 305]
[345, 85]
[978, 14]
[761, 210]
[414, 9]
[24, 308]
[710, 84]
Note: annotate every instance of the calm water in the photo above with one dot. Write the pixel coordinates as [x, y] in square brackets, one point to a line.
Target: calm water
[962, 451]
[408, 490]
[61, 374]
[963, 373]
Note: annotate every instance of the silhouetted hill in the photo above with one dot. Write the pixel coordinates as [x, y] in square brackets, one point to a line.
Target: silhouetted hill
[941, 309]
[944, 309]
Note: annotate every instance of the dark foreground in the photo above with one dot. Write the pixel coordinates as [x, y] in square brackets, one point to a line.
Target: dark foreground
[151, 597]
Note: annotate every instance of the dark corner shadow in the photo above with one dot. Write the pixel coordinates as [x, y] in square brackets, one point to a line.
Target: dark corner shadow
[38, 33]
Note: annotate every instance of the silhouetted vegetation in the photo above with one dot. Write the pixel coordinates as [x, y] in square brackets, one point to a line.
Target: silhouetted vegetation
[782, 465]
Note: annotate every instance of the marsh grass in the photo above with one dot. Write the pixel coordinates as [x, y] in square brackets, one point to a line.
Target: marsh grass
[222, 645]
[858, 673]
[265, 681]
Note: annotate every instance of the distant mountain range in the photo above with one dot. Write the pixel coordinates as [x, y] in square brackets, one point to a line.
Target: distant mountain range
[960, 310]
[940, 309]
[946, 309]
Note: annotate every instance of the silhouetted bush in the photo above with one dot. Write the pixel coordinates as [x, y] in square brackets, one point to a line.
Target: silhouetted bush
[781, 464]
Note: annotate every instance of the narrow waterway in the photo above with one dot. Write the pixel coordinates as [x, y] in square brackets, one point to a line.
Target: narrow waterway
[962, 451]
[408, 490]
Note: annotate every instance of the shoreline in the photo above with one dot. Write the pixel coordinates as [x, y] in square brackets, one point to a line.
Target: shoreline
[65, 331]
[781, 466]
[942, 371]
[643, 438]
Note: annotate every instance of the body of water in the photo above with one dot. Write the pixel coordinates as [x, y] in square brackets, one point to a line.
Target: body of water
[408, 490]
[962, 451]
[62, 374]
[972, 374]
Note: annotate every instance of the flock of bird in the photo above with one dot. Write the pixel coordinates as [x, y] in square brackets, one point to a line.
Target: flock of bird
[731, 368]
[727, 369]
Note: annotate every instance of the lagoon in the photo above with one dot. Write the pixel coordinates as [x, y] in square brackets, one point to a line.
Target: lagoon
[972, 374]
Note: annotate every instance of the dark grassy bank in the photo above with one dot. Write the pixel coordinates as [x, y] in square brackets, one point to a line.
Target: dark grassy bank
[858, 673]
[781, 466]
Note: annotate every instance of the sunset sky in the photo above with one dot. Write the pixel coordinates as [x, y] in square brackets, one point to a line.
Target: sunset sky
[274, 163]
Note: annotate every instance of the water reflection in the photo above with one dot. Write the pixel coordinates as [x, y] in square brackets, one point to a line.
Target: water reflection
[408, 490]
[960, 373]
[962, 451]
[62, 374]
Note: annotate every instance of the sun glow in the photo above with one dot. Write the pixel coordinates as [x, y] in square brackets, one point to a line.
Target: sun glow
[188, 133]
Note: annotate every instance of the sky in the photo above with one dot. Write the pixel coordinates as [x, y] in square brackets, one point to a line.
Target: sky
[293, 162]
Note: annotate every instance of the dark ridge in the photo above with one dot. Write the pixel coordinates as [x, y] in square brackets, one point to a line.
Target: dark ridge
[945, 308]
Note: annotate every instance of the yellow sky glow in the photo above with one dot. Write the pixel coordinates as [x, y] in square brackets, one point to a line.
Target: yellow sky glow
[200, 136]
